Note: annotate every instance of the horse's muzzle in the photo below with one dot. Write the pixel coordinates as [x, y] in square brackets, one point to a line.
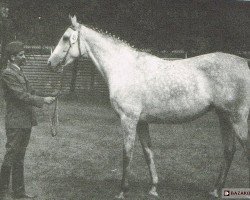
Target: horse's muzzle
[49, 64]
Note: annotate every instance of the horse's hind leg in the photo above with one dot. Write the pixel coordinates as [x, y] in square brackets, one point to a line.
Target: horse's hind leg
[144, 137]
[228, 141]
[243, 135]
[232, 126]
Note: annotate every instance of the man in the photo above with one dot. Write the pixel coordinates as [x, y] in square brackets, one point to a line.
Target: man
[20, 117]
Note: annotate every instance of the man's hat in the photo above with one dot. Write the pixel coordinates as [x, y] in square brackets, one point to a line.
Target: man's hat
[14, 48]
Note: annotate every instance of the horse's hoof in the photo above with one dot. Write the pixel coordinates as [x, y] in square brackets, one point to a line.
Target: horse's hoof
[214, 194]
[153, 192]
[120, 196]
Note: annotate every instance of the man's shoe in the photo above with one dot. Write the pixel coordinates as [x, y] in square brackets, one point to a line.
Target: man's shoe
[24, 196]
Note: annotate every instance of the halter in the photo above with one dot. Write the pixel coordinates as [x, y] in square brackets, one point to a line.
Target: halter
[70, 45]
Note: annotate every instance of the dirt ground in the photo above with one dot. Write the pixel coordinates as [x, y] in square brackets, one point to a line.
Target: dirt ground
[84, 161]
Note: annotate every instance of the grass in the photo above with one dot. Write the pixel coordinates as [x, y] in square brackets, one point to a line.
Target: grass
[84, 161]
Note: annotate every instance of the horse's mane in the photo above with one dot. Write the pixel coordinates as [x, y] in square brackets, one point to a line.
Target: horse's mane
[114, 38]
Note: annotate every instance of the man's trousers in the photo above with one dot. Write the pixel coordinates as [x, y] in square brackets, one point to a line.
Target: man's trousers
[13, 163]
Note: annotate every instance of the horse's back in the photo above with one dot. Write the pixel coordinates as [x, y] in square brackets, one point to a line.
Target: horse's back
[221, 61]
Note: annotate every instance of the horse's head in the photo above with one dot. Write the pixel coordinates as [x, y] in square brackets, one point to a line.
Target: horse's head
[69, 47]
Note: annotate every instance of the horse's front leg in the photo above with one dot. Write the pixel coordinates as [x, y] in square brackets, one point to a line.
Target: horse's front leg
[129, 131]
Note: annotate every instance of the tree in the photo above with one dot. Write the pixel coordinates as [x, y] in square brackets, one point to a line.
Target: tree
[6, 32]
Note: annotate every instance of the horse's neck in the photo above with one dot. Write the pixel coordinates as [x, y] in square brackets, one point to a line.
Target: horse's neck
[108, 55]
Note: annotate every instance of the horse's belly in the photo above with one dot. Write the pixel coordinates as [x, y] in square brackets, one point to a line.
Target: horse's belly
[173, 117]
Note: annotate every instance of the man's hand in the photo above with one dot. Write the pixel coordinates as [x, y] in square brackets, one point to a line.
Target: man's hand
[49, 100]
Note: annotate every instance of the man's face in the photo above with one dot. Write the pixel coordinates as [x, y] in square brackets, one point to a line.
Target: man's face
[19, 59]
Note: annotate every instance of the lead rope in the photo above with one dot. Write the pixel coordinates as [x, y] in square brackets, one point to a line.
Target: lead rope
[54, 121]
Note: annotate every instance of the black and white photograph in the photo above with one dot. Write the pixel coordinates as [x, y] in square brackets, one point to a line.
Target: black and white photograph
[136, 100]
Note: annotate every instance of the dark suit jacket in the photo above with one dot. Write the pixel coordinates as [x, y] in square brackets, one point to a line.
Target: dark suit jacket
[20, 99]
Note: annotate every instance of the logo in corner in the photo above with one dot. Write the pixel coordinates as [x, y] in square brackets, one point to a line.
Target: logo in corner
[226, 193]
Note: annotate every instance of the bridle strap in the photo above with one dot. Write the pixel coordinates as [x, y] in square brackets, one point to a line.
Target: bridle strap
[79, 45]
[64, 58]
[70, 45]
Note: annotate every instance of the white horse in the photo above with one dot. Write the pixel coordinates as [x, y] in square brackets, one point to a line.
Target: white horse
[146, 89]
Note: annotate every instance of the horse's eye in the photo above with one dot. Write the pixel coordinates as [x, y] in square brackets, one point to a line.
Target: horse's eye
[65, 38]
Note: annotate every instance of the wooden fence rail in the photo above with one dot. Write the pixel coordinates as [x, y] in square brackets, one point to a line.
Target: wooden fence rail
[88, 79]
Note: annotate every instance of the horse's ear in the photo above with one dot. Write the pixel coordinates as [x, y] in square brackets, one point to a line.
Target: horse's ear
[74, 21]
